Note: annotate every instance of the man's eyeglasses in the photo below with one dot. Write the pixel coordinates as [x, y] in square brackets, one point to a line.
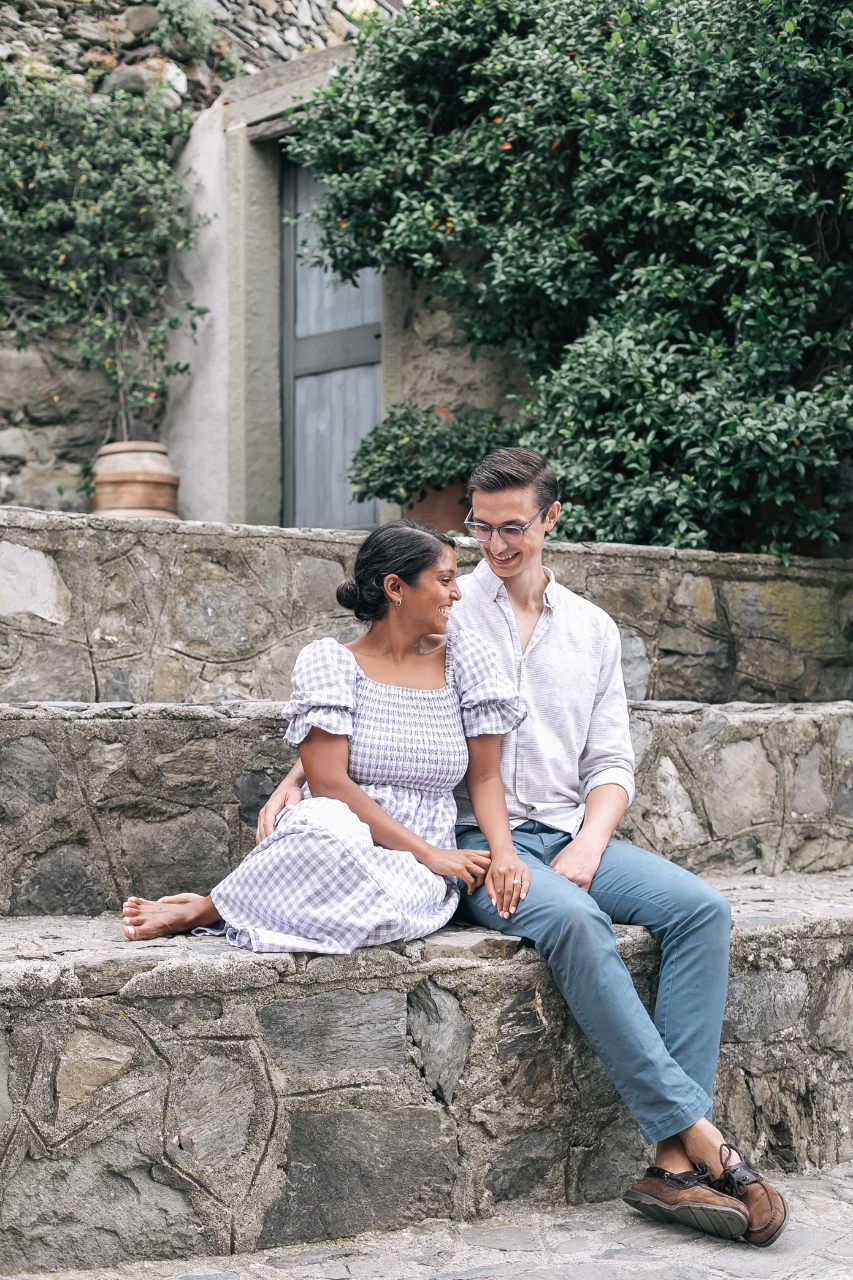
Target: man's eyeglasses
[510, 533]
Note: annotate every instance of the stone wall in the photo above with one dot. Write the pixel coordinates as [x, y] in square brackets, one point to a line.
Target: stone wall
[724, 789]
[90, 40]
[97, 803]
[123, 610]
[427, 361]
[178, 1097]
[53, 415]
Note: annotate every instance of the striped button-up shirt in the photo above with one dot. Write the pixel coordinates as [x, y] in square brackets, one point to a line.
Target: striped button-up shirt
[576, 735]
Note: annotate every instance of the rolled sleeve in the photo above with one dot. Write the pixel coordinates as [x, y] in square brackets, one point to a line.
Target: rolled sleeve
[624, 778]
[608, 755]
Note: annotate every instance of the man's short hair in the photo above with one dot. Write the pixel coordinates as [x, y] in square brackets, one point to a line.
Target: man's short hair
[515, 469]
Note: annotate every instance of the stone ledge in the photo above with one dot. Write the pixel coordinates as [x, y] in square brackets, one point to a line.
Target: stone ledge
[216, 1100]
[99, 801]
[188, 612]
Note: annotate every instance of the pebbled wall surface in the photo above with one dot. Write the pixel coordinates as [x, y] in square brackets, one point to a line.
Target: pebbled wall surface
[179, 1097]
[98, 610]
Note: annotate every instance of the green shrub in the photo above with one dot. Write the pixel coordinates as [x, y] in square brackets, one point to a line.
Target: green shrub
[654, 204]
[228, 64]
[184, 18]
[90, 210]
[415, 449]
[197, 36]
[658, 441]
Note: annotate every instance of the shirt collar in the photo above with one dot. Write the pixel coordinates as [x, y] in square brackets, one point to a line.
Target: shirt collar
[495, 589]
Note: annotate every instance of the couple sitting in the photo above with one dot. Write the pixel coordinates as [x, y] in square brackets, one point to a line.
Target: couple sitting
[512, 683]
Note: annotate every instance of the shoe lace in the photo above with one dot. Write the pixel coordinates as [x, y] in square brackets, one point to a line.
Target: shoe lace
[738, 1177]
[735, 1177]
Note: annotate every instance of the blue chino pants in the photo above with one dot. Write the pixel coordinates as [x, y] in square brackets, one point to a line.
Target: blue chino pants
[664, 1069]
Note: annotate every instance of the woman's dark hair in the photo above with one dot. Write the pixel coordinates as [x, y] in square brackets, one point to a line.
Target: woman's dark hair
[402, 547]
[515, 469]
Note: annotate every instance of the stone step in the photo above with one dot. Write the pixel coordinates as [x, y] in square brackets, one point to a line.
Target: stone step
[155, 610]
[98, 802]
[605, 1241]
[180, 1098]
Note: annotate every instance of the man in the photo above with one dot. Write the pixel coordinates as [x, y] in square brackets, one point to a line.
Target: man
[568, 779]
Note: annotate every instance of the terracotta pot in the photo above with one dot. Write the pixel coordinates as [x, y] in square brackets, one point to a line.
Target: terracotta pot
[135, 478]
[441, 508]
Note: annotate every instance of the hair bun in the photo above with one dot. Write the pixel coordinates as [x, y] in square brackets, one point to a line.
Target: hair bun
[400, 547]
[348, 595]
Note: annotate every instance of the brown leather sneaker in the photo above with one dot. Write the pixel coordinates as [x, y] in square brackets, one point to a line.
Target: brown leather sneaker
[768, 1213]
[689, 1200]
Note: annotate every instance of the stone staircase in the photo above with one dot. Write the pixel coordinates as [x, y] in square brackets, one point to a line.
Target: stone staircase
[179, 1098]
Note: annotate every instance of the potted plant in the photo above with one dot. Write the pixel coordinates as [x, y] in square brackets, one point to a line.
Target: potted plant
[421, 458]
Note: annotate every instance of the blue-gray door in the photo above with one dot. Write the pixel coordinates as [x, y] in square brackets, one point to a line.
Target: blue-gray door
[332, 376]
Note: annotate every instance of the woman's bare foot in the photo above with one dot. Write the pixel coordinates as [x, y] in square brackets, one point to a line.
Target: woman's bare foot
[176, 914]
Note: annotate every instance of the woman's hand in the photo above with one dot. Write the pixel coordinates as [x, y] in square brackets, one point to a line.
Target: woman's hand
[507, 882]
[469, 865]
[287, 795]
[508, 879]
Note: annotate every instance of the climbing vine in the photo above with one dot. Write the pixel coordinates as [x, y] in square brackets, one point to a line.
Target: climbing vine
[90, 208]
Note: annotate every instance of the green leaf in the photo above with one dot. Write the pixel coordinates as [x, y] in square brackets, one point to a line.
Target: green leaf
[674, 272]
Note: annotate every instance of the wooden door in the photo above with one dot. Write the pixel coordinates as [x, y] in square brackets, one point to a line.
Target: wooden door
[332, 375]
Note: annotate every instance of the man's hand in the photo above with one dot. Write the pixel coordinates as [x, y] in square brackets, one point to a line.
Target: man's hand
[287, 795]
[579, 861]
[508, 882]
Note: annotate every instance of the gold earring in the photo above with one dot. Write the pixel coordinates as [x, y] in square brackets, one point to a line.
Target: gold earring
[398, 603]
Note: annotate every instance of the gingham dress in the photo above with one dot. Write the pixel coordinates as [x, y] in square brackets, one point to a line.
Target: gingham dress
[319, 883]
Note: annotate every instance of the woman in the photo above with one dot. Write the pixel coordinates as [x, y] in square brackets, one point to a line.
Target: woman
[381, 724]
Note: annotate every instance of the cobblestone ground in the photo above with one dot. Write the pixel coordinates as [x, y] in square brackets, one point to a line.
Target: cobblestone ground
[595, 1242]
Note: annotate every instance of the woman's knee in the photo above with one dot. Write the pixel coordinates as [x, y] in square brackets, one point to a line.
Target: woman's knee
[332, 818]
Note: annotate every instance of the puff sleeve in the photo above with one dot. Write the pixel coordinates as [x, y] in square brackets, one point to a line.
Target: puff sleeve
[488, 698]
[324, 691]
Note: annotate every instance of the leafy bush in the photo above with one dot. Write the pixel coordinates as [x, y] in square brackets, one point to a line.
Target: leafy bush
[659, 441]
[186, 19]
[415, 449]
[229, 65]
[197, 37]
[89, 212]
[654, 204]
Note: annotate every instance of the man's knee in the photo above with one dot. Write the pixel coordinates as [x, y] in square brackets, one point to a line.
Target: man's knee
[706, 907]
[569, 913]
[702, 897]
[717, 906]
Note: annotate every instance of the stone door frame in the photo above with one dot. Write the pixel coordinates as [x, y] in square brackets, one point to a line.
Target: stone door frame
[224, 420]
